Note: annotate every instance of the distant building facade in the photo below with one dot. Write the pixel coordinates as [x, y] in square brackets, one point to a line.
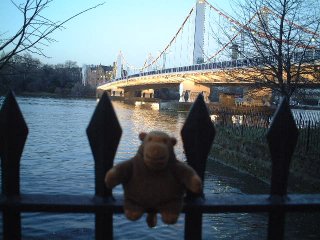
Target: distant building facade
[94, 75]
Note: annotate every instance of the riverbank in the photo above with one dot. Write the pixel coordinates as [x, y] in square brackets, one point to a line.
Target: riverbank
[215, 107]
[247, 151]
[54, 95]
[244, 147]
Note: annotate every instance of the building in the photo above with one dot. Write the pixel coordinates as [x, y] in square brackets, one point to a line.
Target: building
[95, 75]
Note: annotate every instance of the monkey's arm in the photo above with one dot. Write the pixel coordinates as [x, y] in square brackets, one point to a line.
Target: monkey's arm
[120, 173]
[188, 177]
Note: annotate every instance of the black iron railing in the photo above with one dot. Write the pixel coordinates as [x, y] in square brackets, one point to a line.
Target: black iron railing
[104, 134]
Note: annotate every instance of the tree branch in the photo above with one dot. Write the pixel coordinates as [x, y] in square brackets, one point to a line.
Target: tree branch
[34, 30]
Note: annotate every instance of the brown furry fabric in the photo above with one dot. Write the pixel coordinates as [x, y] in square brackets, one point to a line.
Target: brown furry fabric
[154, 180]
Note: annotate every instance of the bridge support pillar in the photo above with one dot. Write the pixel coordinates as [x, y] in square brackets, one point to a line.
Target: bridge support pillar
[117, 92]
[147, 93]
[189, 91]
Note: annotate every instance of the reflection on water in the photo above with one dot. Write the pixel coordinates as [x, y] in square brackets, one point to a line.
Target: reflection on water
[57, 160]
[153, 106]
[134, 120]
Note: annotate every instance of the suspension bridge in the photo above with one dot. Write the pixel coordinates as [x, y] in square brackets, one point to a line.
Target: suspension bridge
[210, 48]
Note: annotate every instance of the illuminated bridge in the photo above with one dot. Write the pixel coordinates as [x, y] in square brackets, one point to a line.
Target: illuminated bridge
[231, 63]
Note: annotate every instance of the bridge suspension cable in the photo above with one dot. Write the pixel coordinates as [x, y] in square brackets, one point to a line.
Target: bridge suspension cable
[306, 30]
[170, 43]
[240, 26]
[125, 62]
[261, 34]
[231, 40]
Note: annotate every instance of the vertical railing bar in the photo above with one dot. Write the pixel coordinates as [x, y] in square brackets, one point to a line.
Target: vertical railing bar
[282, 138]
[308, 136]
[11, 224]
[13, 134]
[197, 134]
[104, 134]
[193, 225]
[276, 225]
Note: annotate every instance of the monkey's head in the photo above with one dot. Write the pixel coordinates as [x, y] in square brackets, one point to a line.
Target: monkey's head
[157, 149]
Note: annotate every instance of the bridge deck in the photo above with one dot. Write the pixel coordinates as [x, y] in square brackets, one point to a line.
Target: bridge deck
[235, 72]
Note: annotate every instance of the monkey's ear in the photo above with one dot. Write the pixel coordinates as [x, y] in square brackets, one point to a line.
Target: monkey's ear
[173, 141]
[142, 135]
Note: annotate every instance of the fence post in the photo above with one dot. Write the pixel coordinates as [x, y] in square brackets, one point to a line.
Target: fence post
[13, 135]
[197, 134]
[308, 136]
[104, 134]
[282, 137]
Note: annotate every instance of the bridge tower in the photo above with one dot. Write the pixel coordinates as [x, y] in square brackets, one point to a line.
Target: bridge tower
[119, 66]
[188, 89]
[199, 32]
[119, 92]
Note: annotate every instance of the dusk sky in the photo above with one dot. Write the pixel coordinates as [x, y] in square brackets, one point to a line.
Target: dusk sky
[136, 27]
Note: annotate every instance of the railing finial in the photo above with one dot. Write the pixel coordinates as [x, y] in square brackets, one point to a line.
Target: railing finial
[13, 135]
[197, 135]
[104, 134]
[282, 137]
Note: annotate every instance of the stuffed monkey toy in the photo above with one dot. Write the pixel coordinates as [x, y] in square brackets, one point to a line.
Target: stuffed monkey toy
[154, 181]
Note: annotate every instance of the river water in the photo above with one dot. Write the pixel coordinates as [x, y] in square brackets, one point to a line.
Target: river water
[57, 160]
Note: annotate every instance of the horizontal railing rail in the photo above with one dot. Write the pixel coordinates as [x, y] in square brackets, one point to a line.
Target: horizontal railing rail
[104, 133]
[218, 204]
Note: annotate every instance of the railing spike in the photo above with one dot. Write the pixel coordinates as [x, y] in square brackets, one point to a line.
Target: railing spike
[282, 137]
[13, 134]
[197, 135]
[104, 134]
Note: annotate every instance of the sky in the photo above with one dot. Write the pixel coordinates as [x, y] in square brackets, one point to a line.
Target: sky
[136, 27]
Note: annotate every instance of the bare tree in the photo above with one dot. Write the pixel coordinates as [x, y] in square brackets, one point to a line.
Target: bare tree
[280, 40]
[35, 32]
